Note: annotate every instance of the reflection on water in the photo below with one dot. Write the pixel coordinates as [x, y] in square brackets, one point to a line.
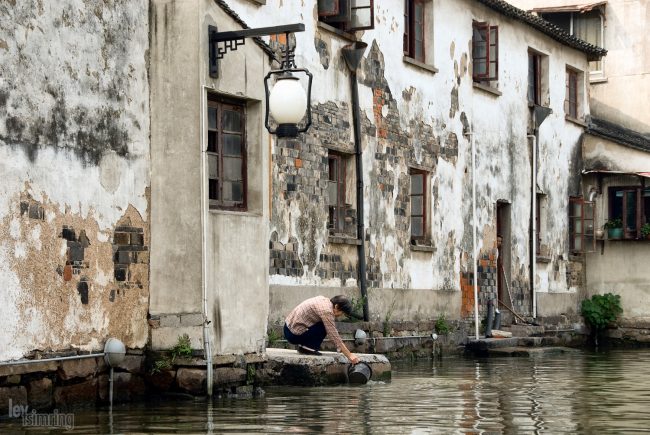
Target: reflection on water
[578, 392]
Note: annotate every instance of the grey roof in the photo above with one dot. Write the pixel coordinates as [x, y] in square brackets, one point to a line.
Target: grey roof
[259, 41]
[621, 135]
[500, 6]
[550, 29]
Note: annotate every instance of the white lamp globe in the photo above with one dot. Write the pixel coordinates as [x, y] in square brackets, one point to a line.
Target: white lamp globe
[287, 101]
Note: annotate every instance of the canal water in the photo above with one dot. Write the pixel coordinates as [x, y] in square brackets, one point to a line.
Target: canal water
[576, 392]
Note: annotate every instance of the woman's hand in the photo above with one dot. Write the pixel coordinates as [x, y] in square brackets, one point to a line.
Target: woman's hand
[353, 358]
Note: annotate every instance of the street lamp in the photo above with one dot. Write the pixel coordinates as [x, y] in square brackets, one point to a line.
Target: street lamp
[287, 103]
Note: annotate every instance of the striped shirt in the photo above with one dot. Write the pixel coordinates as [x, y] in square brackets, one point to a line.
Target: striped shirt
[312, 311]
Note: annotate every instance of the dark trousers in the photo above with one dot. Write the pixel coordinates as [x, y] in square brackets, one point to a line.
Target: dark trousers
[312, 337]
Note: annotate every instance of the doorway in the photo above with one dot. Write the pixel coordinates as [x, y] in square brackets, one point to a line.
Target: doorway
[504, 290]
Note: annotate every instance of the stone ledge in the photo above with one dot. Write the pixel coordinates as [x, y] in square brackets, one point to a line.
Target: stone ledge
[288, 367]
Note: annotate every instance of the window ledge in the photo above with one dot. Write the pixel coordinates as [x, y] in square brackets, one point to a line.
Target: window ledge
[577, 121]
[344, 240]
[345, 35]
[543, 259]
[423, 248]
[488, 89]
[234, 212]
[418, 64]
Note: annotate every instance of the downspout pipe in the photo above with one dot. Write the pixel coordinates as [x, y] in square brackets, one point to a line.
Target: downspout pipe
[207, 347]
[533, 222]
[474, 247]
[540, 113]
[353, 53]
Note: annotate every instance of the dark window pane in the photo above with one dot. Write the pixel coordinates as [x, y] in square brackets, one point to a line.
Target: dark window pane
[212, 141]
[213, 187]
[212, 118]
[232, 144]
[416, 206]
[417, 184]
[231, 121]
[630, 211]
[416, 227]
[232, 169]
[237, 192]
[213, 166]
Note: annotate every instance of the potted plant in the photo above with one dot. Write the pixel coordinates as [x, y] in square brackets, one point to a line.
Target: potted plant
[645, 231]
[614, 228]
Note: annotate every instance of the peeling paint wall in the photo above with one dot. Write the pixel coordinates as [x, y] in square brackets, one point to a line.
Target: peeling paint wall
[417, 117]
[74, 147]
[625, 68]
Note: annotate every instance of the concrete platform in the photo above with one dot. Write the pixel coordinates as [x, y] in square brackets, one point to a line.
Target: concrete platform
[288, 367]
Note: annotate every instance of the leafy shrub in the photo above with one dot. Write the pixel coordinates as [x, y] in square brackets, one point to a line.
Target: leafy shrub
[601, 310]
[614, 223]
[272, 337]
[183, 347]
[645, 230]
[442, 326]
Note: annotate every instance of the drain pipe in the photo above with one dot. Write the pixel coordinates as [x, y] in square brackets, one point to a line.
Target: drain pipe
[540, 113]
[470, 134]
[533, 223]
[352, 53]
[207, 348]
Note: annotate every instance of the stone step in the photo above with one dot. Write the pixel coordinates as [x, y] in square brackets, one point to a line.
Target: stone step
[529, 351]
[288, 367]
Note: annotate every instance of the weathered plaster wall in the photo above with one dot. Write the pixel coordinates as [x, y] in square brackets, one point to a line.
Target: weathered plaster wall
[412, 117]
[74, 137]
[224, 250]
[618, 266]
[626, 65]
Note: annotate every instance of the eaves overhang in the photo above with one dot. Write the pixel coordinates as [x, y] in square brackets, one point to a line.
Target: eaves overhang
[593, 52]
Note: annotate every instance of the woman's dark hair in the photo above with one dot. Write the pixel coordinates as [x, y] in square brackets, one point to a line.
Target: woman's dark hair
[343, 303]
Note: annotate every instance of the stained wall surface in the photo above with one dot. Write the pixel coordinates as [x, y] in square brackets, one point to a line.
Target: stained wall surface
[74, 159]
[423, 117]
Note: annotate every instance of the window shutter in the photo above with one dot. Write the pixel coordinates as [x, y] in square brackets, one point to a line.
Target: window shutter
[328, 8]
[343, 14]
[362, 14]
[480, 51]
[407, 27]
[493, 53]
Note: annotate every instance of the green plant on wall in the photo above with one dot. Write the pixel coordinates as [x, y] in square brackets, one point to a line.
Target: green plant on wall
[601, 311]
[441, 326]
[357, 308]
[272, 337]
[613, 223]
[645, 230]
[182, 348]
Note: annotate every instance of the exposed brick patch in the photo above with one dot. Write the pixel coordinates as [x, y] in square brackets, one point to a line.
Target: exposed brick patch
[284, 257]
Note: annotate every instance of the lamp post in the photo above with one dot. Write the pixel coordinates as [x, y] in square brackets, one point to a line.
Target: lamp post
[287, 103]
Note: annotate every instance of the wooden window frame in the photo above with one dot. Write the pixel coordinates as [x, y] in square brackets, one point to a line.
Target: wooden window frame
[640, 216]
[411, 21]
[215, 185]
[491, 37]
[336, 212]
[585, 245]
[423, 174]
[340, 14]
[571, 106]
[536, 86]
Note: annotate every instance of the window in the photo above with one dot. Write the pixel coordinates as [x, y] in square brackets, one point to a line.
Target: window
[414, 29]
[485, 52]
[347, 15]
[632, 206]
[336, 189]
[588, 26]
[571, 99]
[534, 78]
[418, 196]
[581, 225]
[226, 154]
